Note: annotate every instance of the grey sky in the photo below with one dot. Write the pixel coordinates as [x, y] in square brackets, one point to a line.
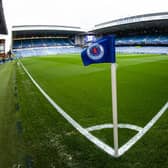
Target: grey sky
[83, 13]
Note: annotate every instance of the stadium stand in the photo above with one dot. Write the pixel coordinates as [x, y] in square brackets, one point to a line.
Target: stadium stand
[41, 42]
[51, 46]
[143, 44]
[143, 41]
[138, 34]
[43, 46]
[35, 40]
[143, 49]
[46, 51]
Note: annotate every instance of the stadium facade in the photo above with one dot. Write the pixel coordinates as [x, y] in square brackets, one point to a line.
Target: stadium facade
[155, 23]
[3, 33]
[139, 34]
[3, 27]
[46, 39]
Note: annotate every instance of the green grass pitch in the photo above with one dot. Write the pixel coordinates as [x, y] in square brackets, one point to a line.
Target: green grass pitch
[47, 140]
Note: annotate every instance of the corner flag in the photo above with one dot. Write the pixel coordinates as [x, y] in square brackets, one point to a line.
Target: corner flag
[101, 51]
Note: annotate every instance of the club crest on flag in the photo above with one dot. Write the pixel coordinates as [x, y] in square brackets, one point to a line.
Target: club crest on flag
[95, 51]
[102, 51]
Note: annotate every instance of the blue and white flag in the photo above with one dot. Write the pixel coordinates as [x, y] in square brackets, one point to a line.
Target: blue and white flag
[102, 51]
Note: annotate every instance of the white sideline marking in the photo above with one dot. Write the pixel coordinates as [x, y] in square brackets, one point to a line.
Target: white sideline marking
[82, 130]
[106, 148]
[103, 126]
[139, 135]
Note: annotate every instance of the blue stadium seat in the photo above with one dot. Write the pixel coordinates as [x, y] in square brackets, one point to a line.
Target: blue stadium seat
[142, 40]
[52, 46]
[17, 44]
[26, 43]
[43, 46]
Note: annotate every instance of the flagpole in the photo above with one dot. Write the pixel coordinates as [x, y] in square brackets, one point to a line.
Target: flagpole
[114, 107]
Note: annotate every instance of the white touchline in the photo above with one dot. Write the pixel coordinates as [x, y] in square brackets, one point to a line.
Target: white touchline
[86, 132]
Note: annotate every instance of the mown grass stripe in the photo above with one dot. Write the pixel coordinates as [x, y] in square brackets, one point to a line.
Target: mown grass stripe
[82, 130]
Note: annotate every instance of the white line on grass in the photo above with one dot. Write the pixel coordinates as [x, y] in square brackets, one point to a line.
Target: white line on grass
[139, 135]
[106, 148]
[103, 126]
[82, 130]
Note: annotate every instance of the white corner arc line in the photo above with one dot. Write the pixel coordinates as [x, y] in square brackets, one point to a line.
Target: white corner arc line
[103, 126]
[106, 148]
[139, 135]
